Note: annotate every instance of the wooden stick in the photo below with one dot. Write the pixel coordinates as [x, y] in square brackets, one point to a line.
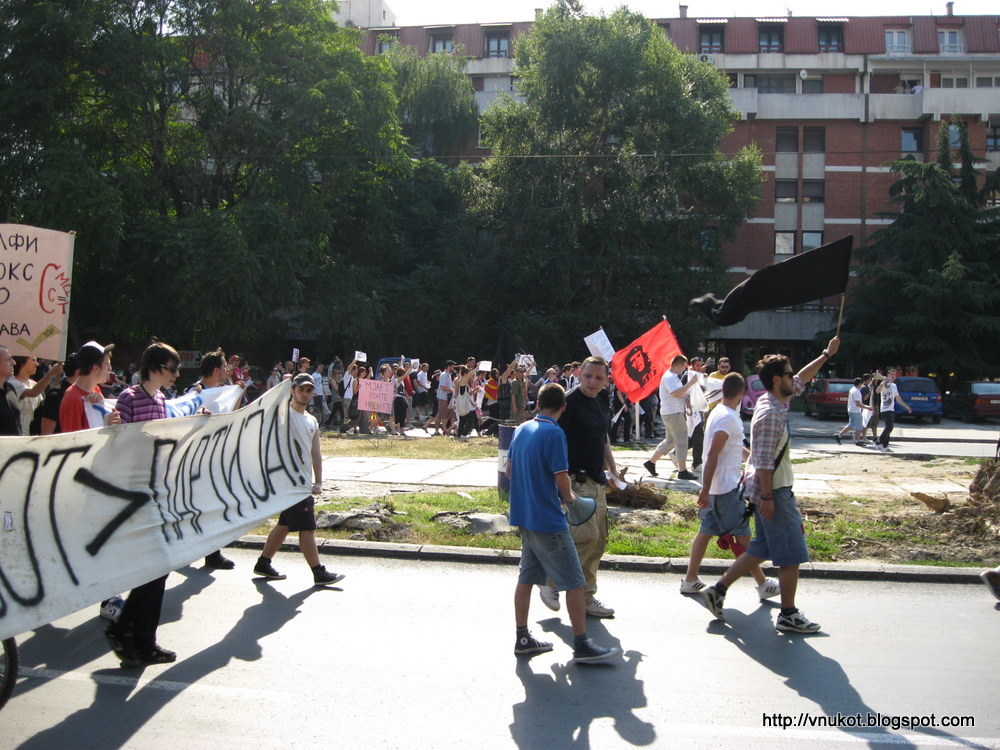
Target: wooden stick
[840, 317]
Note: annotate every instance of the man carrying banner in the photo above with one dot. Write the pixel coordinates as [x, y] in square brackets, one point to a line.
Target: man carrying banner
[780, 535]
[673, 409]
[133, 636]
[585, 422]
[300, 517]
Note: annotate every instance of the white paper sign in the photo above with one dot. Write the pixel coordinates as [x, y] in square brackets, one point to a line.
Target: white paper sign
[35, 286]
[97, 512]
[485, 366]
[599, 345]
[360, 357]
[295, 355]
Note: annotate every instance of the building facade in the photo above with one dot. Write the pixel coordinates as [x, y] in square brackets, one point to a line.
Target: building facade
[829, 102]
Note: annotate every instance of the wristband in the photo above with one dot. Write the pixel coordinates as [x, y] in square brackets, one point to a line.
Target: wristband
[826, 354]
[769, 498]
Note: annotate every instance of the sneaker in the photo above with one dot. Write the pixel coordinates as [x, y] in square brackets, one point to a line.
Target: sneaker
[796, 622]
[837, 438]
[691, 587]
[157, 655]
[264, 569]
[696, 467]
[549, 597]
[712, 600]
[528, 644]
[650, 467]
[992, 580]
[111, 608]
[324, 577]
[861, 443]
[686, 475]
[768, 589]
[219, 562]
[123, 644]
[596, 609]
[589, 651]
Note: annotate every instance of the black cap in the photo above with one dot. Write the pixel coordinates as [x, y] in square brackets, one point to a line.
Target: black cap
[303, 378]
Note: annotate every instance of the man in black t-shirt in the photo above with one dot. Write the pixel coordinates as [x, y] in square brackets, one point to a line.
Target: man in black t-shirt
[585, 423]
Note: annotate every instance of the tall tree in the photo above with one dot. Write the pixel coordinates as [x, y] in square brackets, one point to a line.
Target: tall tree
[929, 293]
[606, 191]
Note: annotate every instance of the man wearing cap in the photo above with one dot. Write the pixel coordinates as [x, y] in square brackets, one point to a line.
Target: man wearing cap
[93, 363]
[300, 517]
[538, 470]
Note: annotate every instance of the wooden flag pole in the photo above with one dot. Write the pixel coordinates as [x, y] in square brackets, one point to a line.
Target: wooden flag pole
[840, 317]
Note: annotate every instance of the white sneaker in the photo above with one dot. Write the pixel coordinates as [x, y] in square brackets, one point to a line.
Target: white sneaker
[768, 589]
[596, 609]
[796, 623]
[691, 587]
[549, 597]
[111, 608]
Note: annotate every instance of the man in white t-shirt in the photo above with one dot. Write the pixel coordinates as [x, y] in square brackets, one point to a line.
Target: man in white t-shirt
[421, 405]
[855, 414]
[673, 410]
[889, 394]
[720, 500]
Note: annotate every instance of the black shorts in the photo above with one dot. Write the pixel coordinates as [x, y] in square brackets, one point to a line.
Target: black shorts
[299, 517]
[420, 398]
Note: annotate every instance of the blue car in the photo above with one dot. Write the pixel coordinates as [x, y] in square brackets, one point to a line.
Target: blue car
[921, 395]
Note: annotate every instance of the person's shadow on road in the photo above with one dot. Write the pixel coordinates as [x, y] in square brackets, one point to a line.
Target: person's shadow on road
[115, 716]
[815, 677]
[560, 705]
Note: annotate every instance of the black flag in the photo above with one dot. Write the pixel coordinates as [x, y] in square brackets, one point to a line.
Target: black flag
[822, 272]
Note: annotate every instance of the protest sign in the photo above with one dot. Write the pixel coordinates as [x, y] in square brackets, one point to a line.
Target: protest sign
[375, 395]
[295, 355]
[360, 357]
[93, 513]
[36, 266]
[599, 345]
[484, 366]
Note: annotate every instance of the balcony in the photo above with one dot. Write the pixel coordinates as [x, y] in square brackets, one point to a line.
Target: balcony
[952, 49]
[489, 66]
[898, 50]
[745, 100]
[983, 102]
[810, 107]
[894, 107]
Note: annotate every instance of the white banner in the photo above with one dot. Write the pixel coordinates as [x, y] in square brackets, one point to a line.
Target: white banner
[599, 345]
[221, 400]
[35, 270]
[90, 514]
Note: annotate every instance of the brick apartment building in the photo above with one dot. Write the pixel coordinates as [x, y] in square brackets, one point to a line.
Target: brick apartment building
[829, 101]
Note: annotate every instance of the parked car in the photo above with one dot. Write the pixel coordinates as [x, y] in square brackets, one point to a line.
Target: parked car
[755, 389]
[971, 401]
[921, 395]
[828, 397]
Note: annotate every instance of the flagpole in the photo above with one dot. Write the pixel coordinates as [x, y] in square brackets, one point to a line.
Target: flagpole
[840, 317]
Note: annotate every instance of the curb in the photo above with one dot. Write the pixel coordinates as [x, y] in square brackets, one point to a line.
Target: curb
[847, 571]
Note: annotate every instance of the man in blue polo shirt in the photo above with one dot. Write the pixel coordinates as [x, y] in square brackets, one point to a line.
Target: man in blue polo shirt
[538, 470]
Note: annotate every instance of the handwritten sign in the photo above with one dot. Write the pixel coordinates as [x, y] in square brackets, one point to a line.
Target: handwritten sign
[36, 266]
[599, 345]
[484, 366]
[98, 512]
[375, 395]
[360, 357]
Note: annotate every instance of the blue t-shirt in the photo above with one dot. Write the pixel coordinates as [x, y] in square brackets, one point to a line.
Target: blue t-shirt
[537, 453]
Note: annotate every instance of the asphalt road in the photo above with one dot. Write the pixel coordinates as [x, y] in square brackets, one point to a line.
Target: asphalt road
[419, 655]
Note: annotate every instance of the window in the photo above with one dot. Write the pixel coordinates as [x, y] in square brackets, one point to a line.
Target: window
[911, 141]
[993, 138]
[709, 239]
[954, 136]
[771, 38]
[784, 243]
[811, 240]
[897, 42]
[384, 42]
[497, 45]
[733, 80]
[778, 83]
[786, 140]
[478, 83]
[830, 38]
[441, 44]
[711, 39]
[665, 28]
[814, 140]
[812, 86]
[988, 82]
[950, 42]
[785, 191]
[812, 191]
[954, 82]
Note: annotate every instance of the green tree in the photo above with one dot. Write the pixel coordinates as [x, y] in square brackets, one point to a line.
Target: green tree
[929, 292]
[606, 191]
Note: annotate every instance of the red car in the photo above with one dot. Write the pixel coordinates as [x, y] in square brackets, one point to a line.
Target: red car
[828, 397]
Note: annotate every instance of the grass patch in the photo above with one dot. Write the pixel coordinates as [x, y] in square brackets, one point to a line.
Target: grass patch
[446, 448]
[806, 460]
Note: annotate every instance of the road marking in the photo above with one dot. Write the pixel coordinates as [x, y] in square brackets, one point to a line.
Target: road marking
[143, 682]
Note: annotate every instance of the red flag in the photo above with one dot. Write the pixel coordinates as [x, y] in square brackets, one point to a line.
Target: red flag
[638, 367]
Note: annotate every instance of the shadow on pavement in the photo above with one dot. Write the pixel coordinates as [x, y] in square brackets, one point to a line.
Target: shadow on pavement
[561, 704]
[815, 677]
[116, 714]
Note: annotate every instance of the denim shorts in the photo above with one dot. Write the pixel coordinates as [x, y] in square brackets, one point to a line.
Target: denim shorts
[856, 421]
[550, 557]
[724, 515]
[781, 540]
